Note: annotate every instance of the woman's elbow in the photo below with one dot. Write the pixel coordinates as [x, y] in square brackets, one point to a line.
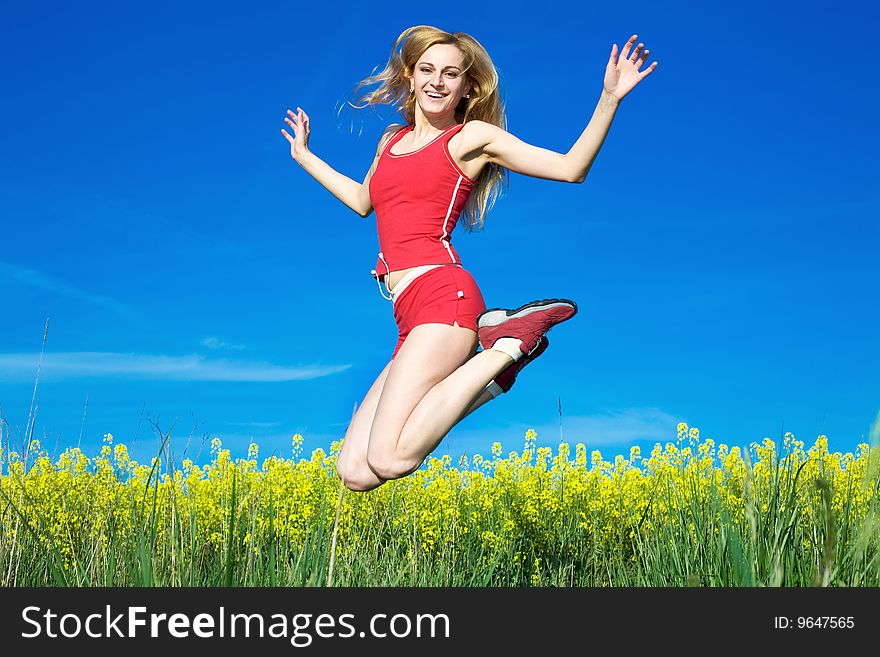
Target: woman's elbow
[573, 172]
[361, 203]
[578, 175]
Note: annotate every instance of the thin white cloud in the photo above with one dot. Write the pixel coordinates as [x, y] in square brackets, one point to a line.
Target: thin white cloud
[217, 343]
[193, 367]
[611, 429]
[42, 281]
[610, 432]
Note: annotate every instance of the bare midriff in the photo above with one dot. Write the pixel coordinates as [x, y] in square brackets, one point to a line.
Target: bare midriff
[394, 277]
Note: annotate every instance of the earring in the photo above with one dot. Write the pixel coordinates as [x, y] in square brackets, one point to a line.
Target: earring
[467, 96]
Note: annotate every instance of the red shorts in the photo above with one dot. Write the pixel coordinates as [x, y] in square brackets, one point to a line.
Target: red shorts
[442, 295]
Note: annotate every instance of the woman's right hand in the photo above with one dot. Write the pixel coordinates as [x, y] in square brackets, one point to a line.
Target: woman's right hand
[299, 143]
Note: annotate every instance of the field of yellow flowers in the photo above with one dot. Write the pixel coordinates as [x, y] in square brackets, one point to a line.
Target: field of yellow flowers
[688, 514]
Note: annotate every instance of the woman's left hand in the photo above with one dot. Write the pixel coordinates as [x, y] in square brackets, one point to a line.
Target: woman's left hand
[622, 74]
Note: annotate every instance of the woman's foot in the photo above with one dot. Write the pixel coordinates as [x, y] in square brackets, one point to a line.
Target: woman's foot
[507, 377]
[527, 323]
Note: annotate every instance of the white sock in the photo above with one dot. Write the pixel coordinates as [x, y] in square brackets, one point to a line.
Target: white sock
[509, 346]
[494, 389]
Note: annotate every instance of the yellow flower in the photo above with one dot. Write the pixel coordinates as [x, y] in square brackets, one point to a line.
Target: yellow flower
[296, 443]
[513, 516]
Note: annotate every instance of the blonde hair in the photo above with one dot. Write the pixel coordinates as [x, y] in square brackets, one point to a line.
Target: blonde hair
[484, 104]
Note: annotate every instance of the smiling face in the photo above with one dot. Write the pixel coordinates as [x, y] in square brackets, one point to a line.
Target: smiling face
[438, 80]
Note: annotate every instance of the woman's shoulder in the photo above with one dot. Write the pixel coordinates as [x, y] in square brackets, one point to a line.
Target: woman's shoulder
[393, 129]
[476, 126]
[388, 133]
[476, 134]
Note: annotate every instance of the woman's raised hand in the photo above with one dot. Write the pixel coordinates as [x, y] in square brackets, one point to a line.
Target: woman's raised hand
[622, 74]
[299, 143]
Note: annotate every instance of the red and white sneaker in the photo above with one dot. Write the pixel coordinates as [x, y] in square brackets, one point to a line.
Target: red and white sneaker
[526, 323]
[507, 377]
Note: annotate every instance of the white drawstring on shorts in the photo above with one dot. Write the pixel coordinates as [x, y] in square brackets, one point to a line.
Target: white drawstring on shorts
[402, 284]
[388, 271]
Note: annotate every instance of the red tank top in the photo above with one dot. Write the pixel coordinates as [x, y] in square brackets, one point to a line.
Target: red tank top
[418, 198]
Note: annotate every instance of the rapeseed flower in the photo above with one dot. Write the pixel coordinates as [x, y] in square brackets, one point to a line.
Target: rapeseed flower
[524, 518]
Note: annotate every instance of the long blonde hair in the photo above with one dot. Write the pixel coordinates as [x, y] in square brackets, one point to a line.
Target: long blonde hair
[485, 102]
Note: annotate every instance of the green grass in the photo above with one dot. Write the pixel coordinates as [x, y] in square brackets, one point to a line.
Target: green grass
[687, 516]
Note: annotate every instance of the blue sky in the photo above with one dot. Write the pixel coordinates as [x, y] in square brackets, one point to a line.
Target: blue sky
[722, 250]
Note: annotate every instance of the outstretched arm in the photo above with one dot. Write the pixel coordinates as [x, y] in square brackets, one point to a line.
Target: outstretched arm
[502, 148]
[354, 194]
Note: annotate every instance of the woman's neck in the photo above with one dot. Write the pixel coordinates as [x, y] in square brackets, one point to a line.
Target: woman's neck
[425, 127]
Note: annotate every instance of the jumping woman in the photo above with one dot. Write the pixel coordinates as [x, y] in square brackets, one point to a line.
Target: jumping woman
[448, 161]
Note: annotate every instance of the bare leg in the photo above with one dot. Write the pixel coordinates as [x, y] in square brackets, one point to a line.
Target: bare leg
[435, 381]
[484, 397]
[351, 464]
[450, 401]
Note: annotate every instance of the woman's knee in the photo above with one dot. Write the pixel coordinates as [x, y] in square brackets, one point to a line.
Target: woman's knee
[386, 466]
[362, 485]
[342, 466]
[358, 479]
